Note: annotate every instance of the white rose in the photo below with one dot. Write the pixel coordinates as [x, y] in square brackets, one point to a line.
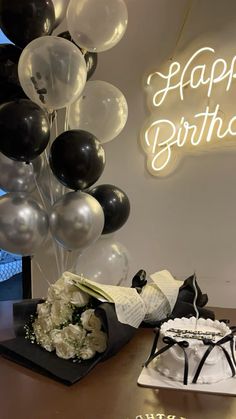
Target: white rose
[90, 321]
[97, 340]
[71, 293]
[43, 309]
[61, 312]
[86, 352]
[65, 290]
[64, 349]
[74, 333]
[55, 335]
[68, 289]
[68, 341]
[60, 289]
[43, 323]
[55, 290]
[79, 298]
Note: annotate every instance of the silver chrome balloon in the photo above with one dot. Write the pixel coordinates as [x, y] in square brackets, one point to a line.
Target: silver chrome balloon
[76, 220]
[23, 224]
[17, 176]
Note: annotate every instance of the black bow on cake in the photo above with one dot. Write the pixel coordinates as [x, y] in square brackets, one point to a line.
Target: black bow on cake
[183, 344]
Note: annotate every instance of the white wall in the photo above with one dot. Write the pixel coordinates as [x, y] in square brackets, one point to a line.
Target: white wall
[187, 221]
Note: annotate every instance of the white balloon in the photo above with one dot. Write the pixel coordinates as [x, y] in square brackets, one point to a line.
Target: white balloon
[60, 7]
[106, 261]
[102, 110]
[52, 72]
[97, 25]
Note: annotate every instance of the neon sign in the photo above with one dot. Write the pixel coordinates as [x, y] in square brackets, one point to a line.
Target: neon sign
[162, 138]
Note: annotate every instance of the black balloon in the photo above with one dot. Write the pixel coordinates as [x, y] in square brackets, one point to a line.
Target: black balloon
[91, 58]
[115, 205]
[24, 130]
[24, 20]
[77, 159]
[10, 91]
[9, 58]
[10, 87]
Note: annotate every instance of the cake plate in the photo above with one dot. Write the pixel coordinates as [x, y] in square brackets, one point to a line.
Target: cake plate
[150, 377]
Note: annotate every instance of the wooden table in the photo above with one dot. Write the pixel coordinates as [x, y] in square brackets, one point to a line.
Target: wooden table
[110, 391]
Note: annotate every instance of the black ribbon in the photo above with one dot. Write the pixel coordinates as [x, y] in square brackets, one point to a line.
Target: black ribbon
[212, 345]
[183, 344]
[154, 345]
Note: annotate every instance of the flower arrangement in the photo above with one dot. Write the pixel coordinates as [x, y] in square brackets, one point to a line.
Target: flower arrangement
[85, 323]
[66, 323]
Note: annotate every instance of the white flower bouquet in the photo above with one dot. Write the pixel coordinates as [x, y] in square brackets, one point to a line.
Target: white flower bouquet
[69, 333]
[82, 323]
[66, 323]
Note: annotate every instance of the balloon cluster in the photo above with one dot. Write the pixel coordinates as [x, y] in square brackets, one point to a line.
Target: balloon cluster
[41, 74]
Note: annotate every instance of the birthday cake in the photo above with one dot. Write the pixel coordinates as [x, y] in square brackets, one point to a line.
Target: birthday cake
[193, 351]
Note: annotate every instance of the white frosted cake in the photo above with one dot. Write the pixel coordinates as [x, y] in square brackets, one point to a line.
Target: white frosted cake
[172, 361]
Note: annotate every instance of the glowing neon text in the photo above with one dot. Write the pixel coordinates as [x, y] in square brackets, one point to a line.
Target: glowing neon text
[162, 135]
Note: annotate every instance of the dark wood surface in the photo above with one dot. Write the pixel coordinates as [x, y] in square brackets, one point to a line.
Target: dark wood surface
[110, 391]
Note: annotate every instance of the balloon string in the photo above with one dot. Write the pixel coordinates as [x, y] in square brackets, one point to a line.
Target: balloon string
[54, 244]
[56, 124]
[39, 191]
[66, 259]
[66, 123]
[50, 117]
[62, 257]
[56, 131]
[50, 178]
[52, 198]
[66, 127]
[74, 255]
[56, 250]
[41, 271]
